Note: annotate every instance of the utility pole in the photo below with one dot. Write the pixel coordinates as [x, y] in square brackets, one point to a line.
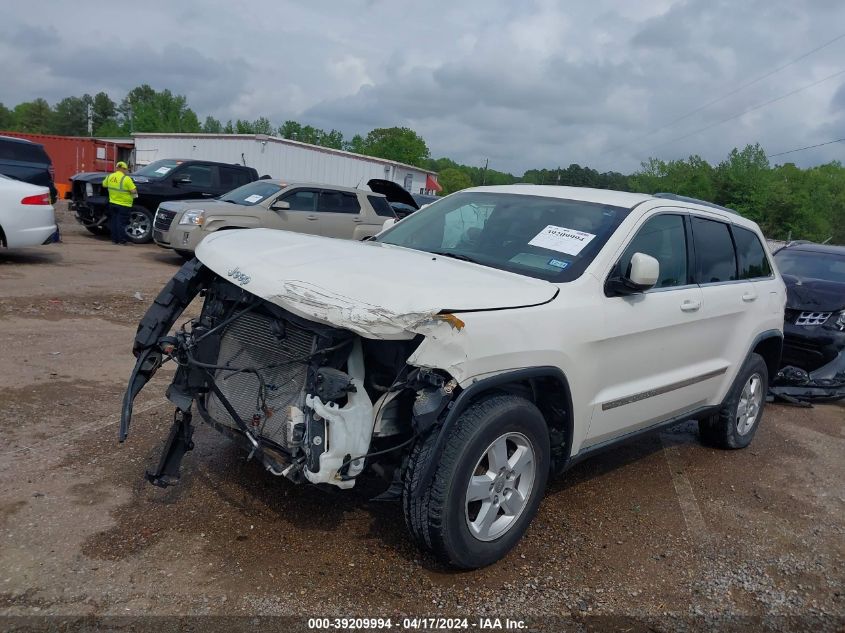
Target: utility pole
[129, 100]
[90, 120]
[484, 171]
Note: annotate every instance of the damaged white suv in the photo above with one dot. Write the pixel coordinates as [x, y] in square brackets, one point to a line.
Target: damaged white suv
[476, 347]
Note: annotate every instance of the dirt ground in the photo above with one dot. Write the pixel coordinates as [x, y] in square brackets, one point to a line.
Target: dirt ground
[661, 534]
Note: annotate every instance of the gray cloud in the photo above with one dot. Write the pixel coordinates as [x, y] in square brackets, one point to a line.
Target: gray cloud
[530, 84]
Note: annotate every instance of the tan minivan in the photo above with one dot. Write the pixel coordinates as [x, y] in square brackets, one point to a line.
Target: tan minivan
[315, 209]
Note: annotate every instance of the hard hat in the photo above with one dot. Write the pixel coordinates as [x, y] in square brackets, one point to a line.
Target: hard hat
[122, 165]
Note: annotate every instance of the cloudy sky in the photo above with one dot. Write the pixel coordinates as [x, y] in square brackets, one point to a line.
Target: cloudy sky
[531, 83]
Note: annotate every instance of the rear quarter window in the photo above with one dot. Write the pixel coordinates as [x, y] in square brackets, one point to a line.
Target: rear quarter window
[714, 251]
[753, 262]
[381, 206]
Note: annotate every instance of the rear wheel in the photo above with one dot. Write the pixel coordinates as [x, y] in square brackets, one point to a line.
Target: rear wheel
[139, 229]
[487, 485]
[736, 422]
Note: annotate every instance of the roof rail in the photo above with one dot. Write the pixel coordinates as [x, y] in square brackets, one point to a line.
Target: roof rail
[713, 205]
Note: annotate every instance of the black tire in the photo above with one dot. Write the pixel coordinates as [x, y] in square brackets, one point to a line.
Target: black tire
[186, 255]
[438, 517]
[726, 429]
[97, 230]
[139, 230]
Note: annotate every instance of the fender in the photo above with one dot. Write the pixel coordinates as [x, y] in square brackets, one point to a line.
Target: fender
[465, 398]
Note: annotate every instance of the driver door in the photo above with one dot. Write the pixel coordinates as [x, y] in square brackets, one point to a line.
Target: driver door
[653, 363]
[301, 217]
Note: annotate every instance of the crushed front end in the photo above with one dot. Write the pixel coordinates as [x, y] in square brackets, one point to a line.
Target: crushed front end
[313, 402]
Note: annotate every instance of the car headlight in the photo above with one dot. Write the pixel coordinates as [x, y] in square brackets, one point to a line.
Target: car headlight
[840, 320]
[193, 216]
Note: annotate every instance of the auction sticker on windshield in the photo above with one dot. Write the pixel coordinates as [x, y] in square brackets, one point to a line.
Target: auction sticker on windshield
[561, 239]
[253, 198]
[162, 170]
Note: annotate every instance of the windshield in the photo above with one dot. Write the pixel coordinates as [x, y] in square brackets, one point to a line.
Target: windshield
[158, 169]
[827, 266]
[547, 238]
[252, 193]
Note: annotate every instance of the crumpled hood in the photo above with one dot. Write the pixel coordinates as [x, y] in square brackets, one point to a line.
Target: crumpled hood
[376, 290]
[817, 295]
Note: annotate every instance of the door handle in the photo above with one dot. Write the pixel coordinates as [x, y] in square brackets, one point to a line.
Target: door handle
[357, 220]
[690, 305]
[311, 217]
[749, 296]
[207, 195]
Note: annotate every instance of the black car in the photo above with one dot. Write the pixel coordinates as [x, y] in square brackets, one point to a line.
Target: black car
[813, 361]
[167, 179]
[27, 161]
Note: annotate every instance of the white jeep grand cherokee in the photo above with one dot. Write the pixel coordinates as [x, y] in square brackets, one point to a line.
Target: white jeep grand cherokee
[476, 347]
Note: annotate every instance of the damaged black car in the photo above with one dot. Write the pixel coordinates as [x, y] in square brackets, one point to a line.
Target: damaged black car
[813, 362]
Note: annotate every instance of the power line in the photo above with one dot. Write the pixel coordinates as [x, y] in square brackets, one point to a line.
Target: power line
[729, 94]
[751, 109]
[801, 149]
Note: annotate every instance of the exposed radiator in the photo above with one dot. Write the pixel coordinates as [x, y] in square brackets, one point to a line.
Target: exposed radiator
[257, 341]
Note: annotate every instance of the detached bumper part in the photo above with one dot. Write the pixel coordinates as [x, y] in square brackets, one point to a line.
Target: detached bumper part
[156, 323]
[826, 383]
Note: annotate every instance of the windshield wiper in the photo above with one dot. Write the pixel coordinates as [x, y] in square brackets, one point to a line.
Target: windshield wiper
[463, 258]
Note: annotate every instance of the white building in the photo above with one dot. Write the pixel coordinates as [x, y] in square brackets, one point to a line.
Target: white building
[282, 158]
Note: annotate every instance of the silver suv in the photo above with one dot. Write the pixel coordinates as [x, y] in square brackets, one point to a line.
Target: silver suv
[315, 209]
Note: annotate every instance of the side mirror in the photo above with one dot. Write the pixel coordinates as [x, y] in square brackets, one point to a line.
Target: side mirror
[643, 272]
[388, 223]
[280, 205]
[182, 180]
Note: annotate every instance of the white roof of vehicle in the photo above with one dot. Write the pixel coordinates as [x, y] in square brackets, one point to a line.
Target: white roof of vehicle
[600, 196]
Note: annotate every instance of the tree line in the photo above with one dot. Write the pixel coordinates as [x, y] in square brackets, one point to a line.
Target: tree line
[787, 201]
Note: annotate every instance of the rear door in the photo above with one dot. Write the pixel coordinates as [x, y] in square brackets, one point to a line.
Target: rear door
[189, 182]
[302, 216]
[340, 213]
[728, 310]
[653, 361]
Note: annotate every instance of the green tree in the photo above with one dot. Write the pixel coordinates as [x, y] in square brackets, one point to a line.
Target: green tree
[396, 143]
[243, 126]
[212, 126]
[70, 116]
[34, 117]
[355, 144]
[453, 179]
[104, 115]
[146, 110]
[7, 118]
[229, 128]
[262, 125]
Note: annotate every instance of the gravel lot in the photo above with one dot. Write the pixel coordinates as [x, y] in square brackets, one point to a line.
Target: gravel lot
[661, 534]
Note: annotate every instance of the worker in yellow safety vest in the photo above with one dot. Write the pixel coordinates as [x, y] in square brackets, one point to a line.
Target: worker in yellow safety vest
[122, 192]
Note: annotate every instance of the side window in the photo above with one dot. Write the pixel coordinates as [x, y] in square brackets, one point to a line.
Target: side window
[233, 178]
[753, 262]
[663, 237]
[200, 175]
[381, 206]
[714, 251]
[301, 200]
[338, 202]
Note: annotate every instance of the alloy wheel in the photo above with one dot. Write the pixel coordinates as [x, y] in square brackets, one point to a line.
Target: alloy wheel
[500, 486]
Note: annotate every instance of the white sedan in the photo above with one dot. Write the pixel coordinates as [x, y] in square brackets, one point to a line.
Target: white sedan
[26, 216]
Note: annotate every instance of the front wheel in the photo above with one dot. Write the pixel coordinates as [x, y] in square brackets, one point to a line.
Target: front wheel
[139, 229]
[487, 485]
[739, 417]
